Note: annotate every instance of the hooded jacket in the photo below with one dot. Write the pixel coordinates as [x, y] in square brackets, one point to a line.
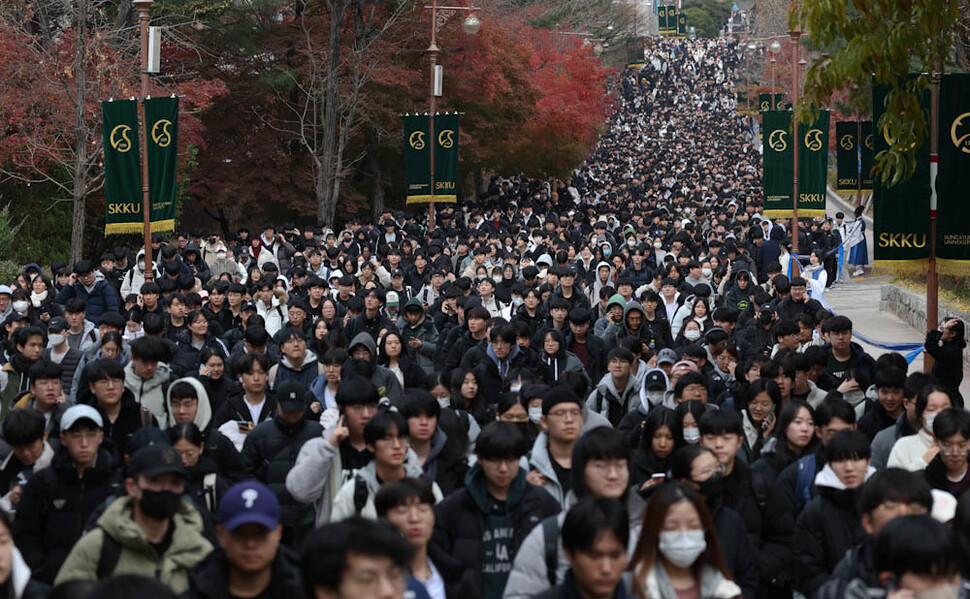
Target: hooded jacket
[613, 403]
[446, 464]
[99, 299]
[381, 376]
[540, 460]
[317, 475]
[285, 371]
[425, 332]
[199, 268]
[151, 394]
[460, 519]
[55, 506]
[563, 361]
[736, 297]
[604, 328]
[270, 451]
[826, 529]
[189, 546]
[218, 447]
[344, 502]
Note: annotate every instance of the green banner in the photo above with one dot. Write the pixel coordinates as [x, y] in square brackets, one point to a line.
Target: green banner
[681, 25]
[847, 156]
[446, 158]
[764, 102]
[122, 169]
[901, 219]
[162, 124]
[778, 167]
[953, 211]
[417, 158]
[813, 163]
[662, 20]
[866, 155]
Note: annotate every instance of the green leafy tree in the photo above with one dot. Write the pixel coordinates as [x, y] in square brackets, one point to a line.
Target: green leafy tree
[884, 40]
[701, 21]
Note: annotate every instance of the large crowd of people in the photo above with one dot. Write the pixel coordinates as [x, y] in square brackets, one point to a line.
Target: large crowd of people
[617, 385]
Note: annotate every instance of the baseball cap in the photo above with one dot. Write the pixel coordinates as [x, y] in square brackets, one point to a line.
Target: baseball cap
[249, 502]
[655, 379]
[80, 412]
[58, 323]
[155, 459]
[5, 290]
[291, 396]
[667, 356]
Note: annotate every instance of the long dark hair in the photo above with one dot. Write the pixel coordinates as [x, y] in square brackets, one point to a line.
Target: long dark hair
[647, 551]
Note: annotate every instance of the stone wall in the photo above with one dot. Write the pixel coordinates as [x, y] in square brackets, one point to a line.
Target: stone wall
[911, 308]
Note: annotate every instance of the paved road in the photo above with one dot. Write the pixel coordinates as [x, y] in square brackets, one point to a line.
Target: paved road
[859, 300]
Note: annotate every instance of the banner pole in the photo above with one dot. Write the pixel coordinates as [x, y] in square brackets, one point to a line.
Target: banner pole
[795, 265]
[859, 142]
[433, 59]
[932, 282]
[143, 7]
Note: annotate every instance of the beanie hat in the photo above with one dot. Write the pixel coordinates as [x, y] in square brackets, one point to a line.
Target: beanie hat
[558, 395]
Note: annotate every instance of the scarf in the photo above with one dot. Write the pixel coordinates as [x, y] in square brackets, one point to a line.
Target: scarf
[38, 298]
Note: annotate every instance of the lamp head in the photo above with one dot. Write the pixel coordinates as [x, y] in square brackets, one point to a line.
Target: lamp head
[471, 25]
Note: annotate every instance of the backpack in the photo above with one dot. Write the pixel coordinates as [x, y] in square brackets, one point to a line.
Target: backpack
[803, 484]
[360, 493]
[550, 532]
[109, 555]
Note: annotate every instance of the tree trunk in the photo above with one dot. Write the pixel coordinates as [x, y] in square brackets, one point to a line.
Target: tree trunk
[79, 184]
[374, 171]
[326, 201]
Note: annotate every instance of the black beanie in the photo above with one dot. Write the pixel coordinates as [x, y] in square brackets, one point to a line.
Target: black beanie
[558, 395]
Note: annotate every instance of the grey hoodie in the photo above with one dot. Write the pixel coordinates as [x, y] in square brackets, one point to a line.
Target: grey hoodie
[540, 460]
[343, 502]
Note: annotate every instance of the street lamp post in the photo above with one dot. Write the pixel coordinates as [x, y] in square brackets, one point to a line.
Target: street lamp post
[440, 16]
[795, 35]
[143, 6]
[747, 68]
[774, 48]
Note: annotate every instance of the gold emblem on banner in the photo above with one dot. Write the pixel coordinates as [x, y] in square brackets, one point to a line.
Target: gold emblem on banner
[119, 138]
[846, 142]
[961, 142]
[765, 105]
[161, 134]
[776, 141]
[813, 140]
[869, 141]
[417, 140]
[446, 139]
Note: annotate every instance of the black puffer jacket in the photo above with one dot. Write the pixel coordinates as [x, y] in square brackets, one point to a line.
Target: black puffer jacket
[827, 528]
[268, 455]
[209, 579]
[206, 496]
[55, 506]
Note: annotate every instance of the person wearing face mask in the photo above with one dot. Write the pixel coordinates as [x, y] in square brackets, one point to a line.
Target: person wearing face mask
[679, 549]
[698, 467]
[61, 353]
[915, 452]
[153, 531]
[20, 304]
[132, 280]
[512, 409]
[440, 454]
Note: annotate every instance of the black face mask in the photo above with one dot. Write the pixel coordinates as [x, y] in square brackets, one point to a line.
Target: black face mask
[159, 505]
[713, 487]
[765, 317]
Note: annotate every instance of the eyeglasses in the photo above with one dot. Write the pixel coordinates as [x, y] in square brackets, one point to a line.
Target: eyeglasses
[955, 449]
[606, 466]
[710, 471]
[574, 413]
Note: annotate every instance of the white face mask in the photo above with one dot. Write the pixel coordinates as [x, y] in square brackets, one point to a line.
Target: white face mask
[682, 548]
[631, 242]
[706, 272]
[141, 266]
[497, 278]
[692, 435]
[515, 388]
[20, 306]
[655, 397]
[444, 402]
[55, 339]
[928, 418]
[517, 301]
[220, 255]
[692, 335]
[657, 244]
[854, 397]
[535, 414]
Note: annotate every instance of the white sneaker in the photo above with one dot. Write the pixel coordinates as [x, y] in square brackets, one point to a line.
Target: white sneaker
[858, 272]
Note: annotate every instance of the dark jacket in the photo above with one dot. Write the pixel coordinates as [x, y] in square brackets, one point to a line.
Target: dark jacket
[209, 579]
[55, 506]
[235, 409]
[373, 326]
[458, 352]
[68, 366]
[569, 590]
[130, 419]
[187, 359]
[936, 477]
[597, 350]
[269, 453]
[483, 361]
[736, 548]
[948, 364]
[205, 486]
[446, 464]
[746, 492]
[858, 563]
[102, 298]
[459, 519]
[826, 529]
[875, 419]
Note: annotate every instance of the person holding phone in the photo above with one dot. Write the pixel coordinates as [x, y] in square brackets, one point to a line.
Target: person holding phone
[758, 417]
[946, 345]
